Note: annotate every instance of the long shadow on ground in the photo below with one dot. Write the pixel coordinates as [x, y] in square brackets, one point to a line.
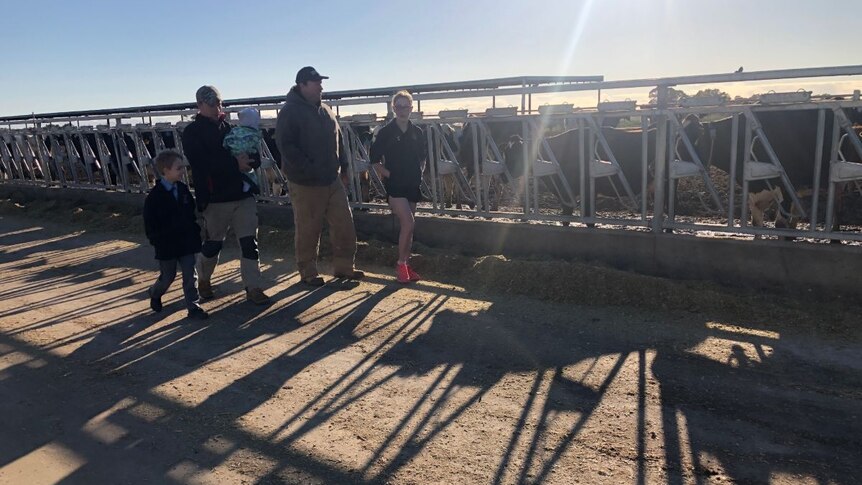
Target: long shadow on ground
[749, 416]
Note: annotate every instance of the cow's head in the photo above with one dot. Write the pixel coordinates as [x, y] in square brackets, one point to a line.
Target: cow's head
[515, 141]
[513, 153]
[701, 136]
[693, 128]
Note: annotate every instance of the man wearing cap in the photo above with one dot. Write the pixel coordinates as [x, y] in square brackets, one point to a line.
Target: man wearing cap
[224, 195]
[309, 139]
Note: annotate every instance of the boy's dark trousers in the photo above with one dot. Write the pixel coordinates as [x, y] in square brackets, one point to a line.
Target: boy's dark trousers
[168, 268]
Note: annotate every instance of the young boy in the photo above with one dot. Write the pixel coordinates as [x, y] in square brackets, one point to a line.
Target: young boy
[169, 220]
[246, 138]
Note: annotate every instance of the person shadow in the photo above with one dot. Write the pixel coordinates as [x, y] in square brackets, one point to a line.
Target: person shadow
[768, 410]
[150, 355]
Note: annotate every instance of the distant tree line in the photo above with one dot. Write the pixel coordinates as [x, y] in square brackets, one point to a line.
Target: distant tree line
[674, 95]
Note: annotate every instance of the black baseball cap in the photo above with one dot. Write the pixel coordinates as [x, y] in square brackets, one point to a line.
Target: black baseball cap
[308, 73]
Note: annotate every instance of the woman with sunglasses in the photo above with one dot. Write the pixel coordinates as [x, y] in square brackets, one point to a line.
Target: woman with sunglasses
[398, 154]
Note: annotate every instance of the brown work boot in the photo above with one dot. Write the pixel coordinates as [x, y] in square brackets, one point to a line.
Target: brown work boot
[257, 296]
[351, 275]
[205, 290]
[314, 281]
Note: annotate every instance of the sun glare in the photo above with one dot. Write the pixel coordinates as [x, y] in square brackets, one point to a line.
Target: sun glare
[575, 39]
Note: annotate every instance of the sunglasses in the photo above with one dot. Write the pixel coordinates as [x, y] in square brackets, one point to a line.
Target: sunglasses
[403, 106]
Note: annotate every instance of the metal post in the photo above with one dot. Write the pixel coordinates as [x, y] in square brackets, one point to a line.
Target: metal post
[830, 201]
[671, 182]
[483, 156]
[432, 166]
[19, 148]
[528, 164]
[660, 158]
[644, 165]
[818, 164]
[477, 165]
[746, 155]
[84, 156]
[44, 155]
[734, 148]
[71, 156]
[347, 146]
[538, 139]
[591, 211]
[122, 162]
[582, 167]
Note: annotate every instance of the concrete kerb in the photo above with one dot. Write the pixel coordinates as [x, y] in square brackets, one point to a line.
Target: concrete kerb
[775, 265]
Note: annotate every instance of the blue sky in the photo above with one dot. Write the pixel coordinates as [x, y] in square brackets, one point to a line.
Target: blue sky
[66, 55]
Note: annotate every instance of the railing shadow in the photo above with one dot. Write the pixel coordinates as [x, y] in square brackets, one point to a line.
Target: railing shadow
[479, 352]
[117, 401]
[149, 439]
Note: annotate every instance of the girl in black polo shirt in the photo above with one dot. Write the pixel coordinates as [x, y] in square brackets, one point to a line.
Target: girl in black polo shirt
[398, 153]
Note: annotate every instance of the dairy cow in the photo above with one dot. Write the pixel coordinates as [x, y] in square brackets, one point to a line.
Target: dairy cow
[792, 135]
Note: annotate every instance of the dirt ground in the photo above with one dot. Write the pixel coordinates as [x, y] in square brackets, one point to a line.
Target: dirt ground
[490, 371]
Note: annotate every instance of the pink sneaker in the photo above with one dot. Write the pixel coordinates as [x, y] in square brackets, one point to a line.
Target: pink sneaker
[403, 273]
[414, 276]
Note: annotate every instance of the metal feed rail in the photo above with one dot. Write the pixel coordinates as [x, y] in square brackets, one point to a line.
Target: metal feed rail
[32, 152]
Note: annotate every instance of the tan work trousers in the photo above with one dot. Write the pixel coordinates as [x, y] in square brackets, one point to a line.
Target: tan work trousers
[311, 206]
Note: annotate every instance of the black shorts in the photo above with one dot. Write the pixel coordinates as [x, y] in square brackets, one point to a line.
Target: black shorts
[413, 194]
